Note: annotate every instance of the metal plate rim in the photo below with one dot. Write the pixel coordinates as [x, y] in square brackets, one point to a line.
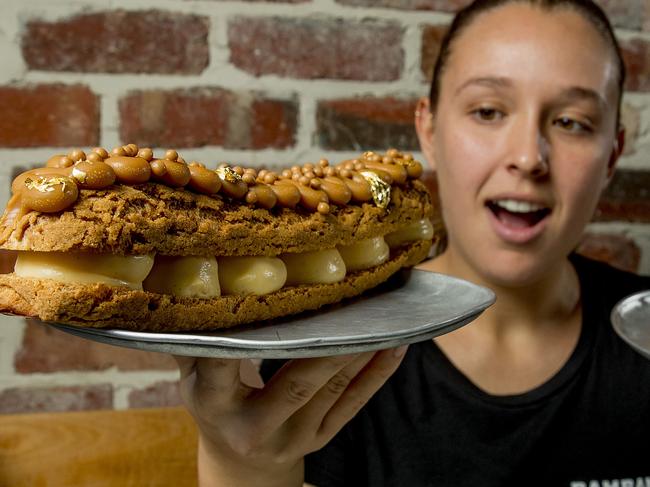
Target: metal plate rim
[270, 353]
[248, 343]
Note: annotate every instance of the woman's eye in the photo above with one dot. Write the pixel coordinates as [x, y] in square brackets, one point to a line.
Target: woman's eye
[486, 114]
[571, 125]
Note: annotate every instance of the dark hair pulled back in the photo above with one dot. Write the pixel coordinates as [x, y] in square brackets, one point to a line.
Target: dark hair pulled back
[464, 17]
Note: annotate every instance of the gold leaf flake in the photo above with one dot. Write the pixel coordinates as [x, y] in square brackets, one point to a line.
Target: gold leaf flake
[379, 188]
[228, 174]
[46, 185]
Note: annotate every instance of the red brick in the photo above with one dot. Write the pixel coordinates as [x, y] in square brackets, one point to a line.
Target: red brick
[366, 123]
[174, 118]
[160, 394]
[636, 53]
[627, 198]
[198, 117]
[616, 250]
[317, 49]
[273, 124]
[118, 41]
[50, 399]
[431, 39]
[46, 349]
[440, 5]
[48, 115]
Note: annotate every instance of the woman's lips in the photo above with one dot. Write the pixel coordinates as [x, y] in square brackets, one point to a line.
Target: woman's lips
[517, 227]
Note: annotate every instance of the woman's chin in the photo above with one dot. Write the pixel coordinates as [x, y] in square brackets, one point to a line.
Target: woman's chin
[514, 271]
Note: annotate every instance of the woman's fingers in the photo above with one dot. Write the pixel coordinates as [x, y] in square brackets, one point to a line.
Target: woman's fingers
[209, 385]
[217, 375]
[359, 391]
[315, 410]
[185, 364]
[249, 374]
[291, 388]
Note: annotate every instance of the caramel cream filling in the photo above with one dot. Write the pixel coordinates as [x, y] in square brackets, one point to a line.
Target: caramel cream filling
[192, 277]
[115, 270]
[365, 254]
[317, 267]
[421, 230]
[209, 277]
[251, 275]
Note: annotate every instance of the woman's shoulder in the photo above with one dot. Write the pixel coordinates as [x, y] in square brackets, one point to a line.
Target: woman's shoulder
[598, 272]
[604, 285]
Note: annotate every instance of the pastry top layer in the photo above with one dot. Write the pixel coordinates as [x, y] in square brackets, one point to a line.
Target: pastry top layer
[134, 217]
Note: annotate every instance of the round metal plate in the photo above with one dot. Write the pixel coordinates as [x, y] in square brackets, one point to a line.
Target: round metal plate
[411, 306]
[631, 321]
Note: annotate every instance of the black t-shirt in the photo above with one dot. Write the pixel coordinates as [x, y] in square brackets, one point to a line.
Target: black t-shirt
[588, 426]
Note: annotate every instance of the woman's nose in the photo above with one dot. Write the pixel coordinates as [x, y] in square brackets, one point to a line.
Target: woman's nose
[529, 153]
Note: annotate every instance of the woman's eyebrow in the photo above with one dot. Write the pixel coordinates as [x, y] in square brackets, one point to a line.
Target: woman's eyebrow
[487, 81]
[579, 93]
[568, 95]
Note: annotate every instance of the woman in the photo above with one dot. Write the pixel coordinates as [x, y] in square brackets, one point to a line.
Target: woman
[522, 130]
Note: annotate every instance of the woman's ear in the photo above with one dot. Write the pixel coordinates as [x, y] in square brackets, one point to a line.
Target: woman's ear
[424, 126]
[617, 150]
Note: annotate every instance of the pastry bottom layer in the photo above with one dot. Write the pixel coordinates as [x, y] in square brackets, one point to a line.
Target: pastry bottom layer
[103, 306]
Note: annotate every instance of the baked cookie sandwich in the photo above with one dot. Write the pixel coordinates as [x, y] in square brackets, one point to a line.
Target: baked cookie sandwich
[129, 240]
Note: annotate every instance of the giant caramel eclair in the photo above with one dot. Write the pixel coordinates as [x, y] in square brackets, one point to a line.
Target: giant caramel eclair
[128, 240]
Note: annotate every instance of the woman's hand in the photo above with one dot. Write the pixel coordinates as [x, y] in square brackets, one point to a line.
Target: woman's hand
[254, 434]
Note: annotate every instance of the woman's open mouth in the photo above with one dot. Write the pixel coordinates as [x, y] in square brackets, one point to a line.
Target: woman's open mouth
[517, 221]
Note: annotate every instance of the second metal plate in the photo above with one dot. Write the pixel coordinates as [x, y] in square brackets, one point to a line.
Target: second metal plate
[631, 321]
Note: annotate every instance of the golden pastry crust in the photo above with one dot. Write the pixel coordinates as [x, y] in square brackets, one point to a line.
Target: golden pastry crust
[151, 217]
[101, 306]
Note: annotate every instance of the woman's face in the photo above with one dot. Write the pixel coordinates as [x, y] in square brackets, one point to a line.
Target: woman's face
[523, 140]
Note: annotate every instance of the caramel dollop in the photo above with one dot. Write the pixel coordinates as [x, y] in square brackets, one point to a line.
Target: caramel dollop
[170, 172]
[232, 183]
[59, 161]
[93, 174]
[397, 172]
[359, 188]
[309, 197]
[49, 194]
[262, 195]
[18, 184]
[203, 180]
[130, 170]
[288, 195]
[337, 191]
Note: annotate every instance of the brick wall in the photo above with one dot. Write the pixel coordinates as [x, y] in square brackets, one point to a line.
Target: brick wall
[251, 82]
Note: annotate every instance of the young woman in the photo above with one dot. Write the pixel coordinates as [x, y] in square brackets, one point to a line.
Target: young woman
[522, 130]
